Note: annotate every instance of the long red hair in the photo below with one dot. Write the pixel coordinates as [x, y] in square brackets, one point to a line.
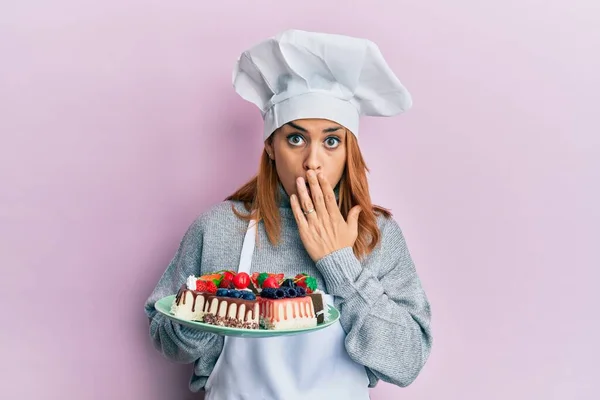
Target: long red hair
[259, 198]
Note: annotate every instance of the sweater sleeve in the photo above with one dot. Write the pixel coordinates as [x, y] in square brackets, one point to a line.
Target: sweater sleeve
[177, 342]
[383, 308]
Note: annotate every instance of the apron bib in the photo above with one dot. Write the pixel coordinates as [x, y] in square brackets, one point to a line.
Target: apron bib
[307, 366]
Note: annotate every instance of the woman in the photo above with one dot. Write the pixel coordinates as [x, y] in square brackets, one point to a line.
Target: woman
[308, 210]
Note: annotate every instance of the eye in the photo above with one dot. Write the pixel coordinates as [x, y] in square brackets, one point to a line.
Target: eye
[332, 142]
[295, 140]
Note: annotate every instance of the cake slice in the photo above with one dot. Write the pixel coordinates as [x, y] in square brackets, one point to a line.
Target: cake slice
[232, 308]
[200, 300]
[190, 300]
[290, 307]
[287, 313]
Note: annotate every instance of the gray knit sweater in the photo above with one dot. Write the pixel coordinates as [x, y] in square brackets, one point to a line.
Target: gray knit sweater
[383, 307]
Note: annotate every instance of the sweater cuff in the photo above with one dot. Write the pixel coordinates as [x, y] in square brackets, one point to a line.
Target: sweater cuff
[189, 333]
[340, 269]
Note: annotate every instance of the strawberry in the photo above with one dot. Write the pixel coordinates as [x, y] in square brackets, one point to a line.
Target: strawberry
[211, 287]
[228, 275]
[261, 279]
[306, 282]
[301, 283]
[270, 282]
[278, 277]
[225, 284]
[201, 285]
[254, 279]
[300, 280]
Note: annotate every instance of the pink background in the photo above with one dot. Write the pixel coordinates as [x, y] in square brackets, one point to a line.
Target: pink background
[119, 125]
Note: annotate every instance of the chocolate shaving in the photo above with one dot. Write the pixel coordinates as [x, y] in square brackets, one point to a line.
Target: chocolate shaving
[228, 322]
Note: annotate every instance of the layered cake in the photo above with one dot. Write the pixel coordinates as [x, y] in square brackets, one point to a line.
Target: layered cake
[264, 300]
[288, 303]
[287, 313]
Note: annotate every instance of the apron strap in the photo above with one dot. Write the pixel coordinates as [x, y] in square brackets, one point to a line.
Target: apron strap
[248, 248]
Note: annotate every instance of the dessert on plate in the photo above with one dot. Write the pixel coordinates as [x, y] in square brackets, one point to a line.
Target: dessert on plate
[261, 301]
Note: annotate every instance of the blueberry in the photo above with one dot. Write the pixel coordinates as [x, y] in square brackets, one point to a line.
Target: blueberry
[235, 293]
[279, 294]
[288, 283]
[300, 292]
[268, 293]
[291, 293]
[222, 292]
[246, 295]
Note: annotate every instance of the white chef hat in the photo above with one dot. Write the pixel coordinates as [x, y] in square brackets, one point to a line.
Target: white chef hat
[298, 74]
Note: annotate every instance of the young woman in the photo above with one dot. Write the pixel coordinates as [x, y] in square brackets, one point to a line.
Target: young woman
[308, 210]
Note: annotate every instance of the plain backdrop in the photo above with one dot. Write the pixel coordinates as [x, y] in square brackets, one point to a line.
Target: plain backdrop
[119, 125]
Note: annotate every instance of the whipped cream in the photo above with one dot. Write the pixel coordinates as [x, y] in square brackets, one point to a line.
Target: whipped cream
[191, 282]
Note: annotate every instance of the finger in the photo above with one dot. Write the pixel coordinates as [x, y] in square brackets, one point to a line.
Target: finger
[298, 214]
[305, 200]
[329, 197]
[317, 195]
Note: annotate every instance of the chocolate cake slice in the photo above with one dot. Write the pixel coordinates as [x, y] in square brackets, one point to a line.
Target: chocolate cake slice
[319, 306]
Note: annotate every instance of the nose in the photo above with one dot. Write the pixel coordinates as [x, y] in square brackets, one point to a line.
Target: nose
[312, 159]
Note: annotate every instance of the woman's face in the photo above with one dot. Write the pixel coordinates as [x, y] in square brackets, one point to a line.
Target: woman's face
[308, 144]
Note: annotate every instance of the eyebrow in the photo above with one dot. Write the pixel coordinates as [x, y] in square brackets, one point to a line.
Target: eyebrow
[328, 130]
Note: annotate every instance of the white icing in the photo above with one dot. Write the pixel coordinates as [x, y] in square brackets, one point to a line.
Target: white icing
[214, 306]
[232, 310]
[184, 308]
[222, 309]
